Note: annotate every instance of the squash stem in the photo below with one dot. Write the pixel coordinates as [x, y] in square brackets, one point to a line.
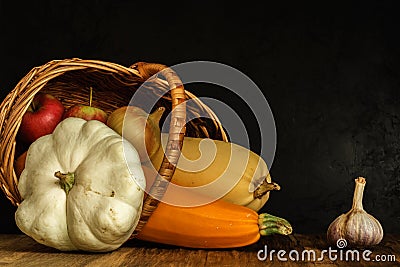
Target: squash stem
[156, 115]
[264, 188]
[67, 180]
[270, 224]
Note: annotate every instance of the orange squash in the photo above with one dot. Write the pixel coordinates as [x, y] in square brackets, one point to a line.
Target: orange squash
[218, 224]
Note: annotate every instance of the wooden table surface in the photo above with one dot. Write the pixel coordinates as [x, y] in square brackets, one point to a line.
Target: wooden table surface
[20, 250]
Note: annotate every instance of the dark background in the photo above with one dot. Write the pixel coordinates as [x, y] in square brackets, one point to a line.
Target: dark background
[329, 71]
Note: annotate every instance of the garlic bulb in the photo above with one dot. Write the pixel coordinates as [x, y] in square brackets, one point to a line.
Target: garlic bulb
[357, 227]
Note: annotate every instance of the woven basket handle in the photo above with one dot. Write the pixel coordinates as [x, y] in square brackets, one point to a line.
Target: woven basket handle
[175, 138]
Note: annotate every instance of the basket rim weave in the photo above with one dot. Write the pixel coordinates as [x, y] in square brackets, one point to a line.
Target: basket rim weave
[17, 101]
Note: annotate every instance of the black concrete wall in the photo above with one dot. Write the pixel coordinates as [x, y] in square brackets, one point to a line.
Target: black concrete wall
[330, 73]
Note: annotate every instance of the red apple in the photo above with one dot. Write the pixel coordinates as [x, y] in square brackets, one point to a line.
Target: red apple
[86, 112]
[41, 118]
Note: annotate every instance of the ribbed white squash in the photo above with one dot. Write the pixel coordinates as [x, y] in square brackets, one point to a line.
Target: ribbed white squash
[101, 210]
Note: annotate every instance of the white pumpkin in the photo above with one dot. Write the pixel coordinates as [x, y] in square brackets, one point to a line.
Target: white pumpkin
[99, 207]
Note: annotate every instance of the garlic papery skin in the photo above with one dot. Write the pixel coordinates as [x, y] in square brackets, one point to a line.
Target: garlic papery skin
[357, 227]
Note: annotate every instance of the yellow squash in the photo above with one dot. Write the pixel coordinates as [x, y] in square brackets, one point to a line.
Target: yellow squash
[221, 170]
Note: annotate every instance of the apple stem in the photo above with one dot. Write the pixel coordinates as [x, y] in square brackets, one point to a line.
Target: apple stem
[90, 96]
[32, 106]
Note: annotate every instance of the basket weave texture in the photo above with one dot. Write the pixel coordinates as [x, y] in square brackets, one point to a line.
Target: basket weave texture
[69, 80]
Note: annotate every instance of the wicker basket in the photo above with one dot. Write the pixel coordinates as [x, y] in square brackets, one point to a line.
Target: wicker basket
[115, 85]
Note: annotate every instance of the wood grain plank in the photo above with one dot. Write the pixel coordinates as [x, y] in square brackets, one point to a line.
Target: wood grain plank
[26, 252]
[151, 254]
[20, 250]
